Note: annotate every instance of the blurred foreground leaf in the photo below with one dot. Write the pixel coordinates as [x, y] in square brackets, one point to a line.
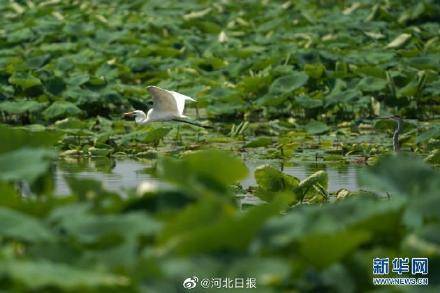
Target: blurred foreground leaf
[40, 274]
[215, 165]
[25, 164]
[19, 226]
[14, 138]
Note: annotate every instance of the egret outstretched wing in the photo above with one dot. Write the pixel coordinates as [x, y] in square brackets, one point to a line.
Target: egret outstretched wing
[180, 101]
[163, 101]
[168, 101]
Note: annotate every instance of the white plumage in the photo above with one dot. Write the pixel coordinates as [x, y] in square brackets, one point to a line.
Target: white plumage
[167, 105]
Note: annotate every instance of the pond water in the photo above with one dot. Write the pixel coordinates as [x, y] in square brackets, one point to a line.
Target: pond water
[122, 174]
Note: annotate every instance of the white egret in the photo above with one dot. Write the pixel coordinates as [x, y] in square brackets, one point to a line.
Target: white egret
[167, 106]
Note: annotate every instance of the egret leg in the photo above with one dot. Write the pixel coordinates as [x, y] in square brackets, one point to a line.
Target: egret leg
[197, 112]
[178, 136]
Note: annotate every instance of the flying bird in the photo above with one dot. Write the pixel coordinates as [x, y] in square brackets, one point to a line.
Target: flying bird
[167, 106]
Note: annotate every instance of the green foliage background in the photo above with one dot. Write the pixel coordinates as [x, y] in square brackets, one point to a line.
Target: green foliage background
[315, 59]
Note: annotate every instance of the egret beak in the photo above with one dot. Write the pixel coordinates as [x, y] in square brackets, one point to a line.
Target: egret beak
[128, 114]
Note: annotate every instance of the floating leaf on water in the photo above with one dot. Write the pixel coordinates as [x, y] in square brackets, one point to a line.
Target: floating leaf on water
[259, 142]
[342, 193]
[317, 183]
[271, 181]
[316, 127]
[99, 152]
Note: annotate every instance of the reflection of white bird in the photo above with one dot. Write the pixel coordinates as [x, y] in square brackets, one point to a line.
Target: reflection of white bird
[167, 106]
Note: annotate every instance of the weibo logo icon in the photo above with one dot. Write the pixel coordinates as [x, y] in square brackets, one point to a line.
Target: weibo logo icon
[190, 283]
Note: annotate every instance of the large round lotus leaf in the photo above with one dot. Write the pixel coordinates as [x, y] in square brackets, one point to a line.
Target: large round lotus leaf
[21, 106]
[24, 80]
[288, 83]
[61, 109]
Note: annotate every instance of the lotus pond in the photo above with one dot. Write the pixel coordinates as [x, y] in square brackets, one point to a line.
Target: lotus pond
[296, 185]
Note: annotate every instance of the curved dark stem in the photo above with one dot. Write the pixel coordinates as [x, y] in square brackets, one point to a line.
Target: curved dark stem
[192, 123]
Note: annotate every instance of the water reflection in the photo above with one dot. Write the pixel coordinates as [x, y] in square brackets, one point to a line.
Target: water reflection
[119, 175]
[115, 175]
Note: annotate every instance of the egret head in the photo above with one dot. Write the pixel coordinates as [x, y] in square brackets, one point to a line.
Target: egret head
[138, 115]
